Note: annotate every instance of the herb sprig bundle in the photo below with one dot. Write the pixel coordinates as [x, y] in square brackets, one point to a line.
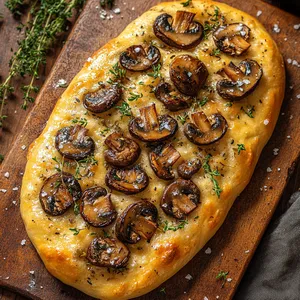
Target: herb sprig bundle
[46, 20]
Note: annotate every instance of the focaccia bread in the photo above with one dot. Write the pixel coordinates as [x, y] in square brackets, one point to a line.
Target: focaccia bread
[149, 146]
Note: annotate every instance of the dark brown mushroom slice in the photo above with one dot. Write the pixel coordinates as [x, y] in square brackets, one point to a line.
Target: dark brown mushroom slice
[189, 167]
[58, 193]
[96, 207]
[122, 151]
[239, 81]
[150, 127]
[138, 220]
[181, 32]
[139, 58]
[188, 74]
[162, 158]
[103, 99]
[108, 253]
[180, 198]
[73, 142]
[205, 131]
[128, 181]
[172, 99]
[232, 38]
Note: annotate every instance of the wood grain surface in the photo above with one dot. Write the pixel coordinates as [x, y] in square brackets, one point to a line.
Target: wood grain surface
[232, 246]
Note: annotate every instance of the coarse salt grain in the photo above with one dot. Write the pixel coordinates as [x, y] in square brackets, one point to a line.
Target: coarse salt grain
[207, 251]
[229, 279]
[278, 169]
[289, 60]
[3, 191]
[205, 298]
[275, 151]
[258, 13]
[247, 251]
[189, 277]
[6, 175]
[276, 28]
[298, 96]
[117, 10]
[23, 147]
[296, 26]
[288, 136]
[31, 272]
[269, 170]
[23, 242]
[89, 59]
[266, 122]
[15, 188]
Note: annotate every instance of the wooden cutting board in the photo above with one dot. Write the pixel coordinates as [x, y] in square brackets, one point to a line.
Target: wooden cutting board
[233, 245]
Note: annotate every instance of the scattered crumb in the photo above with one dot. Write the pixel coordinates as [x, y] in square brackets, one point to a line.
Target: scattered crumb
[208, 251]
[189, 277]
[23, 242]
[269, 170]
[258, 13]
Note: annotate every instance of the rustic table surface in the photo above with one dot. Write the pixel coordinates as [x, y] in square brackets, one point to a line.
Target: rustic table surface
[17, 116]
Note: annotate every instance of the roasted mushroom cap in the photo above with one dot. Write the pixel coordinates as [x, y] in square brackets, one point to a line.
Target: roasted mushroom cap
[103, 99]
[181, 32]
[188, 74]
[180, 198]
[150, 127]
[139, 58]
[138, 220]
[189, 167]
[58, 193]
[73, 142]
[162, 158]
[232, 38]
[107, 252]
[239, 80]
[123, 151]
[128, 181]
[205, 131]
[96, 207]
[172, 100]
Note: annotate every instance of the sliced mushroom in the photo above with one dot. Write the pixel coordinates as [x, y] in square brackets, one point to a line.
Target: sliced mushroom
[150, 127]
[172, 100]
[138, 220]
[103, 99]
[162, 158]
[96, 207]
[107, 252]
[188, 74]
[58, 193]
[128, 181]
[139, 58]
[73, 142]
[189, 167]
[204, 131]
[239, 80]
[123, 151]
[181, 32]
[180, 198]
[232, 38]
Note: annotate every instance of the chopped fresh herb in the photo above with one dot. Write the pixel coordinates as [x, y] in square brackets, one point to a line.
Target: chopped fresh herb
[82, 121]
[197, 217]
[203, 102]
[58, 168]
[214, 22]
[156, 71]
[212, 173]
[76, 208]
[134, 96]
[106, 235]
[1, 158]
[93, 233]
[85, 163]
[104, 131]
[124, 109]
[167, 226]
[141, 82]
[215, 52]
[182, 118]
[222, 276]
[163, 290]
[228, 104]
[240, 148]
[75, 230]
[249, 111]
[187, 3]
[57, 184]
[118, 73]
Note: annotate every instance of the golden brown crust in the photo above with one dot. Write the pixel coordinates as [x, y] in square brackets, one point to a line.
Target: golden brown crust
[62, 252]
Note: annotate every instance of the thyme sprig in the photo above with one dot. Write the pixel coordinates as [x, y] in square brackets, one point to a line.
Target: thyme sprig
[211, 174]
[46, 19]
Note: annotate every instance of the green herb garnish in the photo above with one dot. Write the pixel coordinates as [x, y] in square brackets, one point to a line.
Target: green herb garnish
[156, 71]
[203, 102]
[241, 147]
[187, 3]
[124, 109]
[249, 111]
[222, 276]
[182, 118]
[75, 230]
[118, 73]
[82, 121]
[172, 227]
[134, 96]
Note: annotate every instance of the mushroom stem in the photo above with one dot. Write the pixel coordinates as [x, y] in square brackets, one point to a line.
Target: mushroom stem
[144, 227]
[149, 117]
[182, 21]
[201, 121]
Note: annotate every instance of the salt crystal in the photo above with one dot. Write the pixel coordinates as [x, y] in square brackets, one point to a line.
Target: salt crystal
[229, 279]
[89, 59]
[288, 136]
[189, 277]
[23, 242]
[298, 96]
[247, 251]
[258, 13]
[23, 147]
[117, 10]
[276, 28]
[266, 121]
[269, 170]
[3, 191]
[289, 60]
[6, 175]
[15, 188]
[275, 151]
[207, 251]
[31, 272]
[205, 298]
[278, 169]
[296, 26]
